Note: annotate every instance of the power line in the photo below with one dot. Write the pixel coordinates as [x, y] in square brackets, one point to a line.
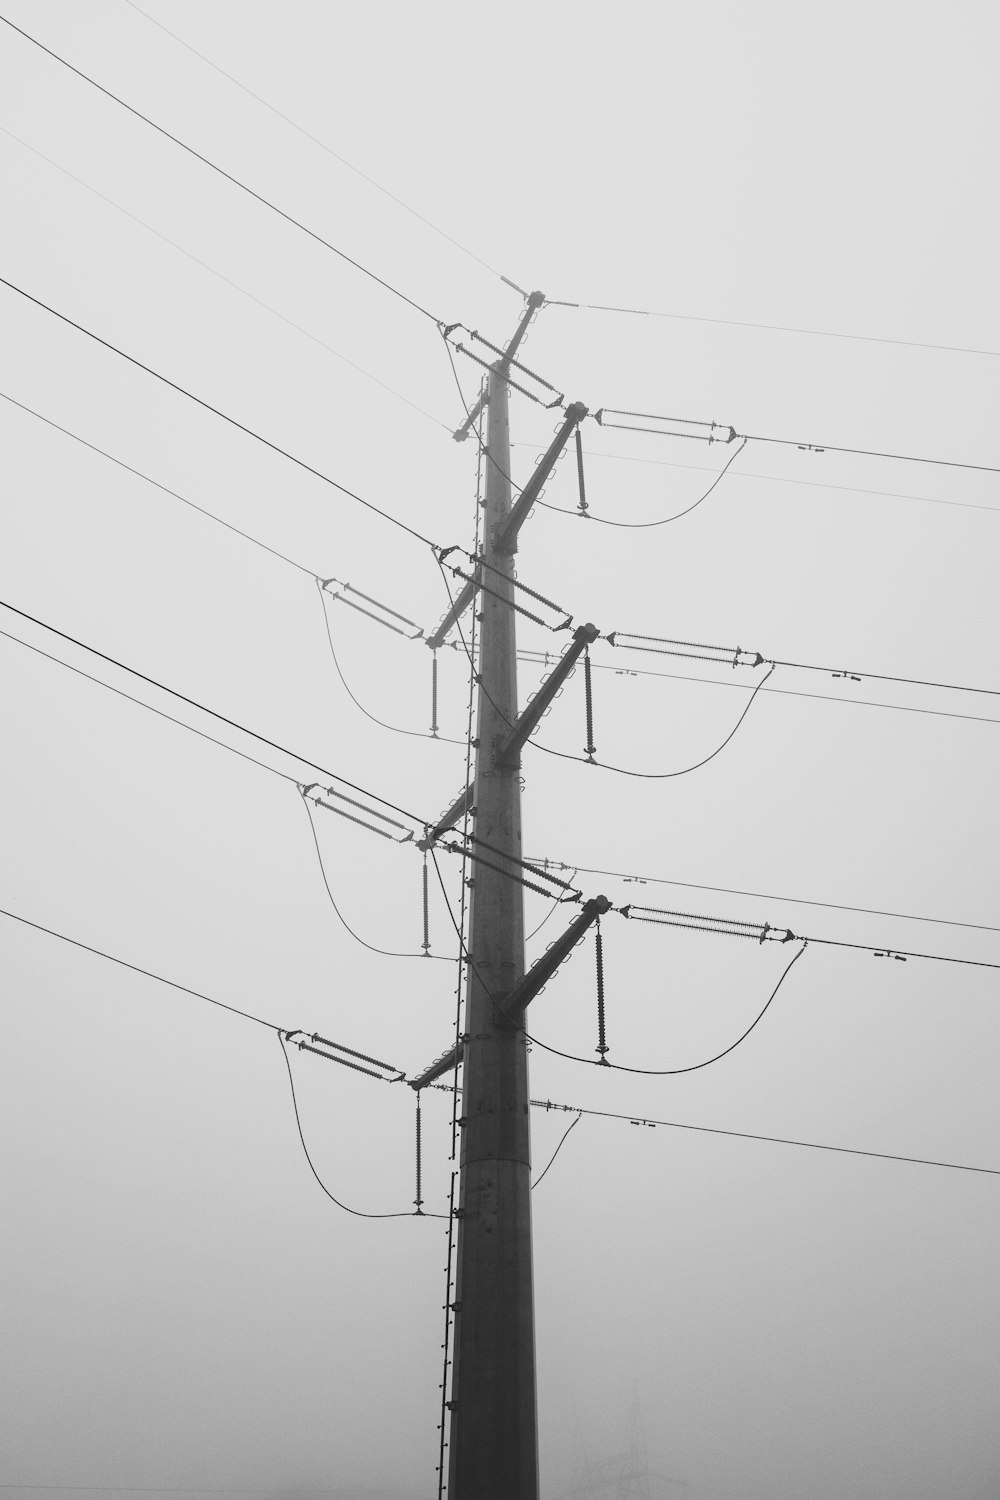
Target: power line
[542, 658]
[146, 973]
[148, 479]
[665, 520]
[557, 1150]
[813, 484]
[194, 703]
[259, 197]
[356, 1212]
[724, 890]
[317, 142]
[251, 296]
[777, 1140]
[207, 406]
[825, 333]
[906, 458]
[384, 952]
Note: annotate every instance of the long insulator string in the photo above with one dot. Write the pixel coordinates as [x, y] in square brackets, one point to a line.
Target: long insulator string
[588, 690]
[602, 1045]
[426, 945]
[582, 506]
[434, 694]
[418, 1200]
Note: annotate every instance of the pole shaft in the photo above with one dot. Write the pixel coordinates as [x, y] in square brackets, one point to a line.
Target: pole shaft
[493, 1429]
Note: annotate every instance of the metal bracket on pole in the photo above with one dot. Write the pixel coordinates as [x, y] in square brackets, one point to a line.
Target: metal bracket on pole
[506, 540]
[458, 809]
[534, 301]
[509, 752]
[443, 1065]
[516, 1002]
[454, 614]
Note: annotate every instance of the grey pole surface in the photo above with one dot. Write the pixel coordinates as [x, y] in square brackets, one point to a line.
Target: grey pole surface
[493, 1429]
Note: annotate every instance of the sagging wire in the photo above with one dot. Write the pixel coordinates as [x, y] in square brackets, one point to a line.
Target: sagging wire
[372, 947]
[590, 1062]
[556, 1152]
[603, 765]
[395, 728]
[356, 1212]
[587, 514]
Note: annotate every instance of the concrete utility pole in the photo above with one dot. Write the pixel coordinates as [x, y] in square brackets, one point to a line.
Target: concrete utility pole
[493, 1451]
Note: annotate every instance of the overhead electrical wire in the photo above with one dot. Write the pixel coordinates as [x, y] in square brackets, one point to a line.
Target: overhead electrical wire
[244, 187]
[556, 1152]
[215, 411]
[588, 515]
[372, 947]
[724, 890]
[148, 479]
[826, 333]
[251, 296]
[222, 718]
[545, 659]
[357, 1212]
[123, 963]
[317, 142]
[812, 484]
[776, 1140]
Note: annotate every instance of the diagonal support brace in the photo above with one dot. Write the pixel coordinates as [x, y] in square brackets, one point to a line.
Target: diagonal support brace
[444, 1064]
[509, 752]
[454, 614]
[520, 997]
[458, 809]
[506, 540]
[533, 302]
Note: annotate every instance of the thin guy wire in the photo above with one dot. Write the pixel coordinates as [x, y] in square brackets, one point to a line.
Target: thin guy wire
[259, 197]
[233, 724]
[207, 406]
[646, 525]
[557, 1150]
[146, 973]
[903, 708]
[372, 948]
[777, 1140]
[213, 271]
[826, 333]
[357, 1212]
[317, 142]
[420, 734]
[724, 890]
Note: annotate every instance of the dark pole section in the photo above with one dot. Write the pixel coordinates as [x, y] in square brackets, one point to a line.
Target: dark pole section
[493, 1428]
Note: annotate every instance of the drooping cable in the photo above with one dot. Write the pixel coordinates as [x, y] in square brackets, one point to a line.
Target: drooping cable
[584, 510]
[372, 947]
[562, 1142]
[420, 734]
[357, 1212]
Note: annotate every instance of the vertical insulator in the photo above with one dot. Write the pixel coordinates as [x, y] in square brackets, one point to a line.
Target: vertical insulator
[418, 1200]
[590, 748]
[602, 1045]
[582, 507]
[434, 694]
[427, 919]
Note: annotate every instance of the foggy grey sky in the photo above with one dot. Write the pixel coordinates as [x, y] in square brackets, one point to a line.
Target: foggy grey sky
[182, 1305]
